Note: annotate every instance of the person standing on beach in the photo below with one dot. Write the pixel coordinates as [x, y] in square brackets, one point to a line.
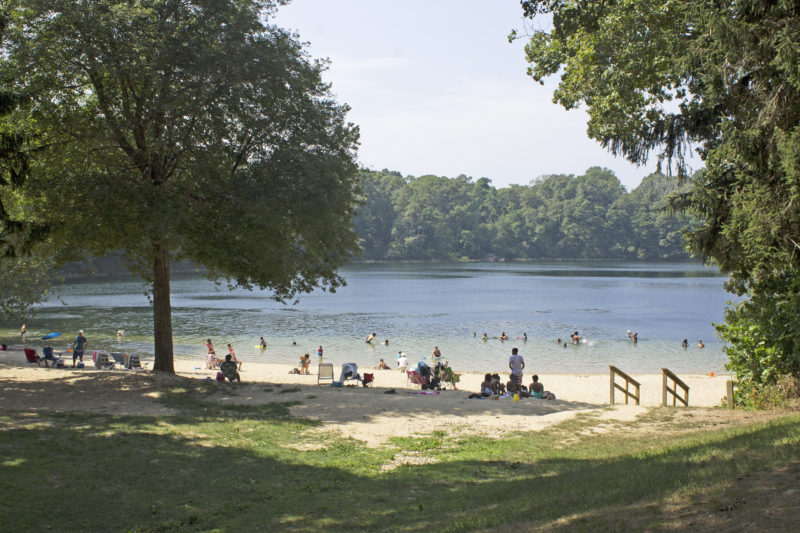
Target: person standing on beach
[22, 332]
[233, 356]
[319, 355]
[78, 347]
[516, 363]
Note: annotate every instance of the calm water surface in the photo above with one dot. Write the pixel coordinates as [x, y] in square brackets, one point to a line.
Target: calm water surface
[417, 306]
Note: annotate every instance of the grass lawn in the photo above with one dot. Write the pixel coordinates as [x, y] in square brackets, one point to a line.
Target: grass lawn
[209, 468]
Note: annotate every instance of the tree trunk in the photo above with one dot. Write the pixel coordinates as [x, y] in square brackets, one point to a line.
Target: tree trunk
[162, 310]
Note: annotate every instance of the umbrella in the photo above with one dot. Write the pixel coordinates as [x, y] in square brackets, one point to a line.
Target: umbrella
[50, 336]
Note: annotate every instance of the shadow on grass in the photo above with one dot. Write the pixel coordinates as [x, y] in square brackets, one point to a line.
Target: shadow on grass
[235, 468]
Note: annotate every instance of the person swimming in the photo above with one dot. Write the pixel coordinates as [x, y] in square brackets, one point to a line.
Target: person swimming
[700, 344]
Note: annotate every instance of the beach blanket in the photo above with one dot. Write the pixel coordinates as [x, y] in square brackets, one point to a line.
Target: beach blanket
[424, 392]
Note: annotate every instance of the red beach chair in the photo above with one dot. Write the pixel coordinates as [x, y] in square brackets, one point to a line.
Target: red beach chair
[368, 378]
[34, 358]
[414, 378]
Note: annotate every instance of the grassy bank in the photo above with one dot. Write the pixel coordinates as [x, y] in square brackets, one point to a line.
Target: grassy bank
[257, 468]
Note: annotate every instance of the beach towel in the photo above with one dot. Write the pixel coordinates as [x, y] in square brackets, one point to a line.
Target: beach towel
[424, 392]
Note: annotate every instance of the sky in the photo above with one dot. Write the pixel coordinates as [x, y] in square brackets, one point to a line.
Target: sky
[436, 88]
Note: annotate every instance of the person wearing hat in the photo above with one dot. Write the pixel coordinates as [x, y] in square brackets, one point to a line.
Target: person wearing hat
[78, 347]
[402, 361]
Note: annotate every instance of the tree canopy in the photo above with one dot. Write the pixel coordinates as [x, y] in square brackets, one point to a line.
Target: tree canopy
[183, 129]
[559, 216]
[661, 76]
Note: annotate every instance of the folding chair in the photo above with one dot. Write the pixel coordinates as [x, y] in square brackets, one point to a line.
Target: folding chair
[101, 361]
[49, 355]
[413, 377]
[368, 378]
[325, 371]
[34, 358]
[451, 377]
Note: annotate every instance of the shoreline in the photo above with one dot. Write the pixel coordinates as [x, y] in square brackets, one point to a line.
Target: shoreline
[388, 408]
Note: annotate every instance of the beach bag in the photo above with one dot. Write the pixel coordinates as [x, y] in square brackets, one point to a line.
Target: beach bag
[220, 376]
[336, 384]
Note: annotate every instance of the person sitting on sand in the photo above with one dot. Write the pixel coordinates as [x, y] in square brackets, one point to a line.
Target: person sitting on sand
[497, 388]
[537, 390]
[382, 365]
[228, 369]
[486, 389]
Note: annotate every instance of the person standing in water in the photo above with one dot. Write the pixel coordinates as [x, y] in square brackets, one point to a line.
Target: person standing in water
[370, 338]
[263, 344]
[319, 354]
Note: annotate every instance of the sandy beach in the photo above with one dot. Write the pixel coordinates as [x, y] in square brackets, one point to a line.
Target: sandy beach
[389, 407]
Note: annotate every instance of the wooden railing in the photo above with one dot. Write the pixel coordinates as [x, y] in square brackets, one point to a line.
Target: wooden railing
[666, 375]
[614, 371]
[729, 389]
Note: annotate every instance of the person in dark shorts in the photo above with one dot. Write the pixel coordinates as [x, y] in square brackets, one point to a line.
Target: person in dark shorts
[78, 347]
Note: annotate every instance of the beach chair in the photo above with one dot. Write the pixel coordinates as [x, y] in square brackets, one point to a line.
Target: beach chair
[450, 377]
[101, 361]
[34, 358]
[325, 371]
[368, 378]
[120, 358]
[50, 356]
[413, 378]
[133, 361]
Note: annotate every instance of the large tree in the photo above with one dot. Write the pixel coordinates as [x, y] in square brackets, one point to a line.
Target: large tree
[660, 75]
[184, 129]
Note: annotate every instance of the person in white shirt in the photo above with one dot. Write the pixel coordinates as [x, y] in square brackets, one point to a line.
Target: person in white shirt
[402, 362]
[516, 363]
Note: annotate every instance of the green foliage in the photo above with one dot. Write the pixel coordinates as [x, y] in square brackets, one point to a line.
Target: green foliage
[183, 131]
[666, 75]
[555, 217]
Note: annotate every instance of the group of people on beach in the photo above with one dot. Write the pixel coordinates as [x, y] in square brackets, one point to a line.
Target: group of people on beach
[493, 388]
[214, 362]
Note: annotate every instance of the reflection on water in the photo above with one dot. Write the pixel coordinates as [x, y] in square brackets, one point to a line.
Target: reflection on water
[417, 306]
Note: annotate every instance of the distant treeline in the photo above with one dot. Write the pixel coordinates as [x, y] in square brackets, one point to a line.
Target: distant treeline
[555, 217]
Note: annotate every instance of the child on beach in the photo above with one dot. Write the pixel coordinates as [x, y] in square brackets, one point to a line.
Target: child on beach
[233, 356]
[211, 357]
